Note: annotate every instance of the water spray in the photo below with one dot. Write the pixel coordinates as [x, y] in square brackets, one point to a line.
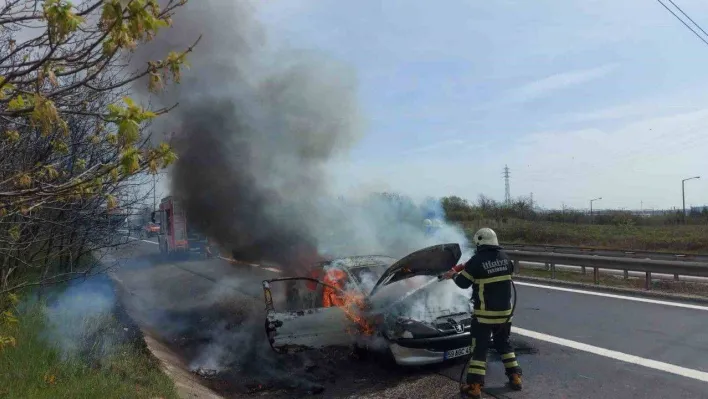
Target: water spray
[412, 292]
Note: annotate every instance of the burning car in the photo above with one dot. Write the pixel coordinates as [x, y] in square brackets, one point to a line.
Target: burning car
[374, 302]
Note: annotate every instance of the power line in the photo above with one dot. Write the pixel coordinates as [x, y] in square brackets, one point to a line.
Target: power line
[689, 18]
[698, 35]
[507, 192]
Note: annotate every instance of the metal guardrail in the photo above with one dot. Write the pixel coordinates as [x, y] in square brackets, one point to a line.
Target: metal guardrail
[607, 252]
[647, 266]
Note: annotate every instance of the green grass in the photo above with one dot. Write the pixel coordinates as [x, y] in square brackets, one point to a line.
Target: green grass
[686, 239]
[35, 369]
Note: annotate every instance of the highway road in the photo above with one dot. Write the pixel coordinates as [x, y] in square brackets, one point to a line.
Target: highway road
[584, 344]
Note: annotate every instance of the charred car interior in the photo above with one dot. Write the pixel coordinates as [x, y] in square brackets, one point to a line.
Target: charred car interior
[374, 303]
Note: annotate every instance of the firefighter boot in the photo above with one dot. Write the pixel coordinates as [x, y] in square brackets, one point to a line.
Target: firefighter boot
[471, 391]
[515, 381]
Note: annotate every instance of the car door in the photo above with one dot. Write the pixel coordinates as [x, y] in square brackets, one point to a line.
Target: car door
[296, 319]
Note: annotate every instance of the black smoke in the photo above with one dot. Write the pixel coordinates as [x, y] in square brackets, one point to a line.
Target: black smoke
[254, 130]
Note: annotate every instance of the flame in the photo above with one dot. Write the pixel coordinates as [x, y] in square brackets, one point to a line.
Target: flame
[349, 301]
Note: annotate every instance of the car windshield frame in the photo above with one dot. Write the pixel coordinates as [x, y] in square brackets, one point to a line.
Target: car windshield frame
[349, 264]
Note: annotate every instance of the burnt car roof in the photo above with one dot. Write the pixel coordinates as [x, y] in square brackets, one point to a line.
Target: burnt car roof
[359, 261]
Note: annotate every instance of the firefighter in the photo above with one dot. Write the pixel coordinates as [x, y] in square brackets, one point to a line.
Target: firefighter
[489, 273]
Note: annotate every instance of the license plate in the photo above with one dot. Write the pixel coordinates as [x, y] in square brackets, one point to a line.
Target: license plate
[451, 354]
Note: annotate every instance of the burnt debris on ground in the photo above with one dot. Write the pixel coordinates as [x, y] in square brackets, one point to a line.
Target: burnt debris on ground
[251, 368]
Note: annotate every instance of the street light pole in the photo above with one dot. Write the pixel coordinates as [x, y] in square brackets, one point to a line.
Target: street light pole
[683, 196]
[591, 201]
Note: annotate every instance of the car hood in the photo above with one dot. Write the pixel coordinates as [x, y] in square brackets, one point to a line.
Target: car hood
[430, 261]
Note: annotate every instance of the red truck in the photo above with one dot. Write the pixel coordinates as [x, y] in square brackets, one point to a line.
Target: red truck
[175, 236]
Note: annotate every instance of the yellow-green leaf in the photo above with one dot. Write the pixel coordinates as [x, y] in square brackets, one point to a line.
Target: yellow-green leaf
[12, 136]
[14, 299]
[51, 172]
[24, 180]
[128, 132]
[111, 202]
[14, 232]
[130, 161]
[129, 101]
[17, 103]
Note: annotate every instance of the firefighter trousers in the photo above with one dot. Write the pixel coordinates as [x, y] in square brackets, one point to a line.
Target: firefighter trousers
[481, 333]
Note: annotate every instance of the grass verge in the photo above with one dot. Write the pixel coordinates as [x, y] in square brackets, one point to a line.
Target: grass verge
[684, 239]
[102, 366]
[668, 286]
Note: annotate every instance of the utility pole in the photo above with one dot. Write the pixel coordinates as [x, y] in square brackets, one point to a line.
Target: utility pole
[591, 201]
[507, 192]
[154, 198]
[683, 195]
[531, 201]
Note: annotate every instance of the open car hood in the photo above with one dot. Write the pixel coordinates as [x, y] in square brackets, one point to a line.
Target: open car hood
[430, 261]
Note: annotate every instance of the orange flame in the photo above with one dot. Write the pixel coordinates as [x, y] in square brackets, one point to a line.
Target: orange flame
[350, 302]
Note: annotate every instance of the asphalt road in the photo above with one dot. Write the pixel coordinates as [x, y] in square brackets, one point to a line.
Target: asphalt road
[169, 297]
[658, 332]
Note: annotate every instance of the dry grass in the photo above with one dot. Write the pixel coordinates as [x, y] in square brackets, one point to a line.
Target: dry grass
[685, 239]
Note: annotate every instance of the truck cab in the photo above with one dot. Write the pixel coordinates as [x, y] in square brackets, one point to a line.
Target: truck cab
[176, 236]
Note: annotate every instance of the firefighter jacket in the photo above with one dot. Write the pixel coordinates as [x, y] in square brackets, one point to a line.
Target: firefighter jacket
[489, 273]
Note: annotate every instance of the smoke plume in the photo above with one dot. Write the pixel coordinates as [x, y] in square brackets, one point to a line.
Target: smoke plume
[254, 129]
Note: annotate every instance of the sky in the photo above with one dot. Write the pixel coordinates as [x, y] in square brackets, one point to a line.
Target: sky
[584, 99]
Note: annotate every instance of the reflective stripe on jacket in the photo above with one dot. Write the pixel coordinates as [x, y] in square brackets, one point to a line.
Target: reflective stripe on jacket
[489, 273]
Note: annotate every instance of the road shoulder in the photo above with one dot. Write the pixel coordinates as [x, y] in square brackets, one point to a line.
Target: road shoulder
[615, 290]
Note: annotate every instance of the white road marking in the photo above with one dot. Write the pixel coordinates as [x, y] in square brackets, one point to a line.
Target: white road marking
[147, 241]
[606, 295]
[653, 364]
[272, 269]
[251, 264]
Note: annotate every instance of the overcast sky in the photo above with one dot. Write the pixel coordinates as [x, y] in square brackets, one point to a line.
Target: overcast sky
[582, 99]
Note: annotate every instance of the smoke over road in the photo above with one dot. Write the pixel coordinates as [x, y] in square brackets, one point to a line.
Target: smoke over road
[256, 129]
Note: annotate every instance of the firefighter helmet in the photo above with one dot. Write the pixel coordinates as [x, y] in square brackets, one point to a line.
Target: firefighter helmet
[485, 236]
[427, 223]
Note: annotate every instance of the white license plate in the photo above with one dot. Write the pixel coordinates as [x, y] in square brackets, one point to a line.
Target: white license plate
[451, 354]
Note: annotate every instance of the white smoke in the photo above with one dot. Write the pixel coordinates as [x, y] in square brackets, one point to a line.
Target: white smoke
[381, 225]
[421, 298]
[80, 320]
